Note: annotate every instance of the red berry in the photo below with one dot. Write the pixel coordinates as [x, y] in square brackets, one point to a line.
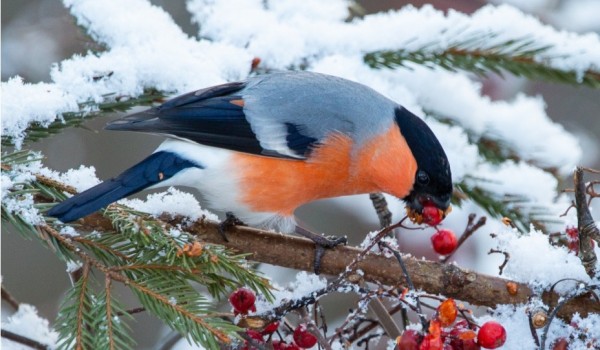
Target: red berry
[242, 301]
[409, 340]
[431, 215]
[431, 342]
[447, 312]
[303, 337]
[281, 345]
[573, 239]
[561, 344]
[444, 242]
[491, 335]
[270, 328]
[462, 338]
[254, 335]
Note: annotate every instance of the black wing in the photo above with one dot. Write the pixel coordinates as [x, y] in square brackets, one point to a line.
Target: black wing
[213, 117]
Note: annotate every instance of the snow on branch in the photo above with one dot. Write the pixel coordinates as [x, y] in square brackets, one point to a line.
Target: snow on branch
[307, 29]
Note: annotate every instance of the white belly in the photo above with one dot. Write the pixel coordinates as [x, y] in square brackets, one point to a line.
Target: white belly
[218, 183]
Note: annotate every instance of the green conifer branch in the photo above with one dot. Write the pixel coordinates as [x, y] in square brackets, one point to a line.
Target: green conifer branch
[519, 57]
[87, 110]
[75, 318]
[516, 208]
[144, 255]
[112, 332]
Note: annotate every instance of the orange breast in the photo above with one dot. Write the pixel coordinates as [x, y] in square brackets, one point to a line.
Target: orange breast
[383, 164]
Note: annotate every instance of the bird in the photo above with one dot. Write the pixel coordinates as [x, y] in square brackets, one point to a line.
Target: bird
[262, 147]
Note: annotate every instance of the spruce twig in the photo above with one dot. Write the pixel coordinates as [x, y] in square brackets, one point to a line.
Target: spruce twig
[111, 104]
[520, 57]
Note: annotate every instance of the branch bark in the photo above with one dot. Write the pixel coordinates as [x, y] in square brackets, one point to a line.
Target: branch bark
[588, 230]
[432, 277]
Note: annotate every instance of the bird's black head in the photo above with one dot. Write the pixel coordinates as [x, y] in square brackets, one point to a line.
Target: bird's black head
[433, 180]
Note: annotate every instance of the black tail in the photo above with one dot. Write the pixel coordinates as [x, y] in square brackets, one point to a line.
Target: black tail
[156, 168]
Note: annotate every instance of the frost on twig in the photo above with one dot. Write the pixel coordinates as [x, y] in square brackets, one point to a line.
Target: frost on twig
[588, 231]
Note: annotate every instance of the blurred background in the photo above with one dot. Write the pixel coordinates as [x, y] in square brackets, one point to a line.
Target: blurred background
[38, 33]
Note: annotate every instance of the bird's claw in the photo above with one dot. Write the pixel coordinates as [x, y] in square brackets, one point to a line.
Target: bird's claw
[230, 221]
[323, 244]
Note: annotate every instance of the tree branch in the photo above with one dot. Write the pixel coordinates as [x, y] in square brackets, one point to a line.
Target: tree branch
[6, 296]
[432, 277]
[588, 231]
[34, 344]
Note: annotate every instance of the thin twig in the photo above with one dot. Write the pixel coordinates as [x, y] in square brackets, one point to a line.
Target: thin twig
[506, 258]
[408, 282]
[587, 228]
[555, 312]
[469, 230]
[23, 340]
[6, 296]
[534, 335]
[313, 329]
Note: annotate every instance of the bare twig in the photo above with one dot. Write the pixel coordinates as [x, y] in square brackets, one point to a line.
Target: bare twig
[587, 228]
[23, 340]
[469, 230]
[533, 330]
[506, 258]
[6, 296]
[408, 282]
[313, 329]
[555, 311]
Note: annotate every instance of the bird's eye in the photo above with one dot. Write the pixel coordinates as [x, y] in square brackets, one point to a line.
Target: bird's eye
[422, 177]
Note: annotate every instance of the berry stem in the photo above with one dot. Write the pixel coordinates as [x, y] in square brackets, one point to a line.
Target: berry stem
[408, 281]
[469, 230]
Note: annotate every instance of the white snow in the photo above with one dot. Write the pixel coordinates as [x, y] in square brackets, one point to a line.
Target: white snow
[73, 266]
[534, 261]
[25, 103]
[304, 285]
[173, 201]
[27, 323]
[515, 321]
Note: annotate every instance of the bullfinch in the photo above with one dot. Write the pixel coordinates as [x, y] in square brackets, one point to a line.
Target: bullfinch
[262, 147]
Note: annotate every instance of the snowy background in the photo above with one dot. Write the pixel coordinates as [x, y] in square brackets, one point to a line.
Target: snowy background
[37, 35]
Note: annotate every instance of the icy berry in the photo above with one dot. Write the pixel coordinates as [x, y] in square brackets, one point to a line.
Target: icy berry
[431, 342]
[491, 335]
[242, 301]
[573, 239]
[270, 328]
[561, 344]
[447, 312]
[409, 340]
[281, 345]
[462, 338]
[444, 242]
[303, 337]
[256, 336]
[432, 215]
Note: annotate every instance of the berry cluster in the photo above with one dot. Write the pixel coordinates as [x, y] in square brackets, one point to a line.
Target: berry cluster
[243, 300]
[303, 339]
[446, 334]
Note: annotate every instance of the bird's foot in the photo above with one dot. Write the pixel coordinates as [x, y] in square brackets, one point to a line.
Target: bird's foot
[322, 243]
[230, 221]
